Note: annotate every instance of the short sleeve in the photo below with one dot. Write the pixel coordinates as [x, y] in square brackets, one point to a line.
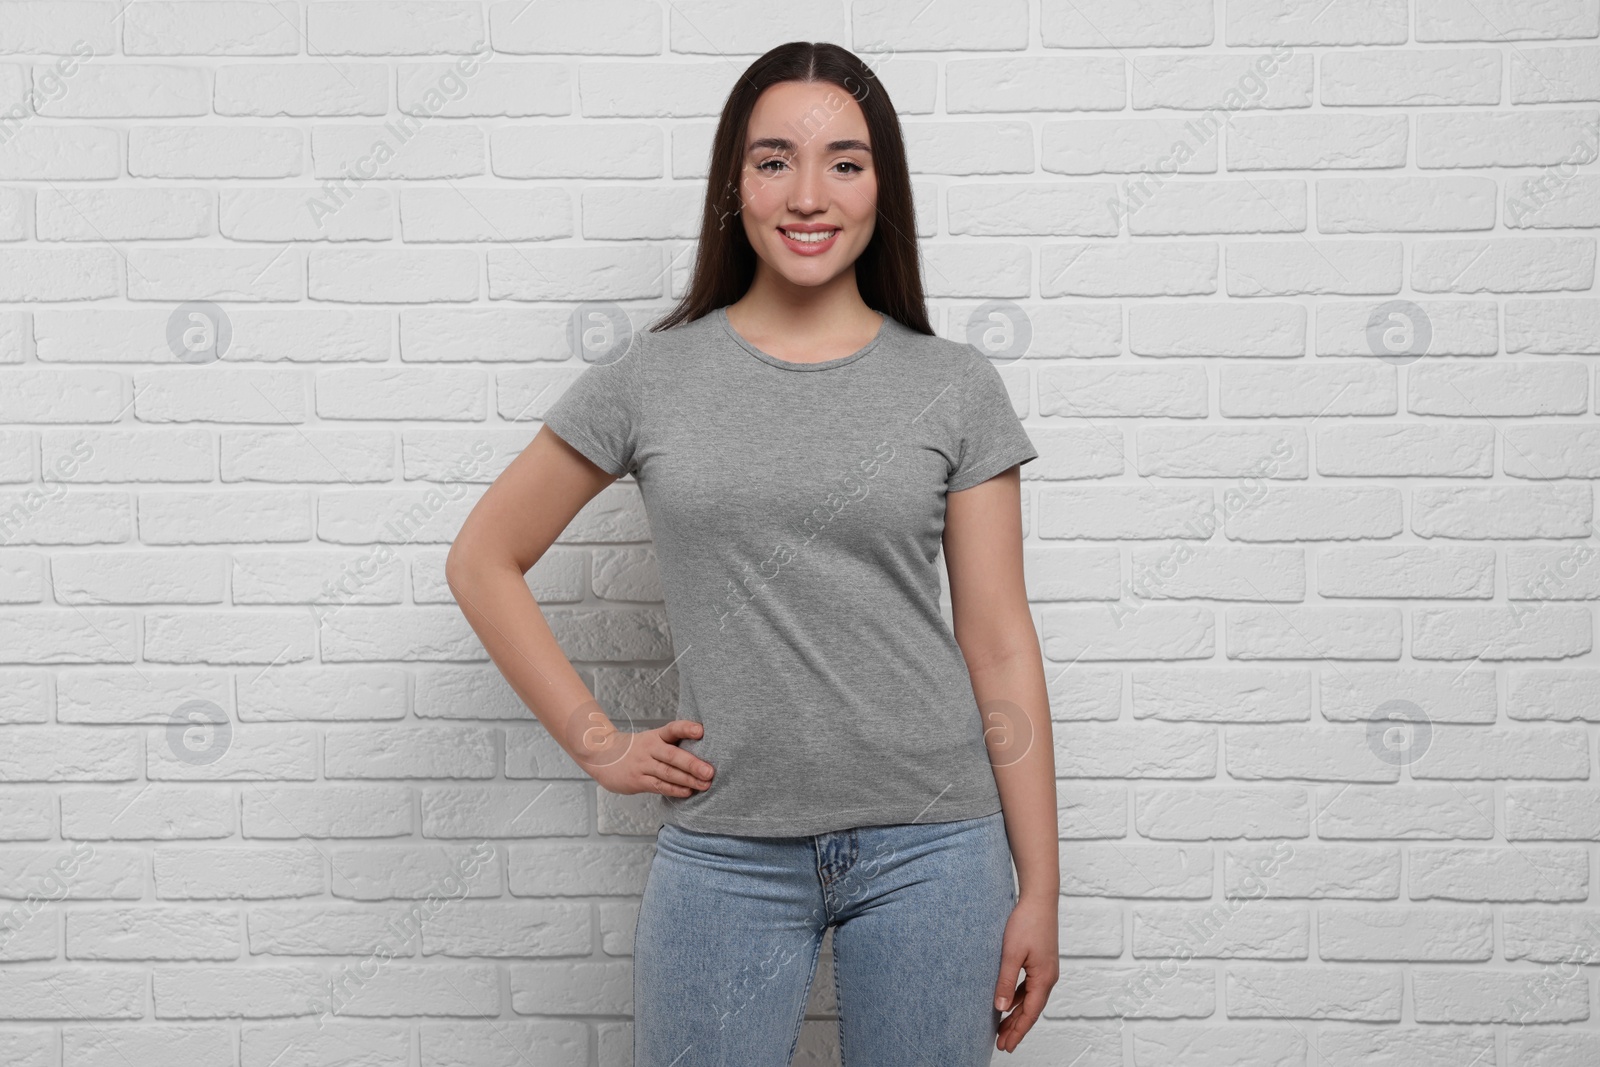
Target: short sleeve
[992, 437]
[599, 413]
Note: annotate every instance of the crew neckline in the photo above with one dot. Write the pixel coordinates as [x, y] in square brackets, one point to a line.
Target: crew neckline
[785, 364]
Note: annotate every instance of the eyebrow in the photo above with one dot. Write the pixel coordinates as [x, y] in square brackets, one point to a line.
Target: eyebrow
[784, 144]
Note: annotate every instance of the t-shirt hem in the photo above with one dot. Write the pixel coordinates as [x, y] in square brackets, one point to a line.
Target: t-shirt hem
[876, 816]
[982, 473]
[587, 445]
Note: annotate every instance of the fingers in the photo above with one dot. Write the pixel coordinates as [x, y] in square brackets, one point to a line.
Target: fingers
[696, 771]
[677, 779]
[670, 771]
[1030, 1007]
[667, 789]
[1008, 982]
[682, 728]
[657, 765]
[1030, 998]
[688, 770]
[1011, 961]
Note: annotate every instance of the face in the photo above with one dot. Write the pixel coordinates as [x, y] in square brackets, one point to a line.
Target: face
[808, 189]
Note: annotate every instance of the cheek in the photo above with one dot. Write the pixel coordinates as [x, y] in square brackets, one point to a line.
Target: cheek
[765, 241]
[861, 207]
[863, 231]
[761, 196]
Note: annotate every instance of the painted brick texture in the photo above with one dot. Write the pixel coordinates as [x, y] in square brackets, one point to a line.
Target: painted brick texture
[1311, 293]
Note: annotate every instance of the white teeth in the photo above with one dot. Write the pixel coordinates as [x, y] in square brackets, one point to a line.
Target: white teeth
[809, 238]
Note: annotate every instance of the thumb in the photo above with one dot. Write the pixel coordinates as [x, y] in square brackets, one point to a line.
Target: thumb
[1010, 965]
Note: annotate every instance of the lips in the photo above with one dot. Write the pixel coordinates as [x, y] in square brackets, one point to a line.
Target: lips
[796, 231]
[808, 243]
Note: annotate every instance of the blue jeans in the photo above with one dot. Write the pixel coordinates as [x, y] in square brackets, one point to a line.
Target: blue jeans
[730, 928]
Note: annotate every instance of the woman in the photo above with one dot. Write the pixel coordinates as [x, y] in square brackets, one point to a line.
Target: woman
[803, 443]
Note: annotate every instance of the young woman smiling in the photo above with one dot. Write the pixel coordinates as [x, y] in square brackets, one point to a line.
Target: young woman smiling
[842, 759]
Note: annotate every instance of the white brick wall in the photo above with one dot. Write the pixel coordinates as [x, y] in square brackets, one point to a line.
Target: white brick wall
[1264, 523]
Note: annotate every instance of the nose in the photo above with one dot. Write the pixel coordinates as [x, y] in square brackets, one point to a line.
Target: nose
[806, 190]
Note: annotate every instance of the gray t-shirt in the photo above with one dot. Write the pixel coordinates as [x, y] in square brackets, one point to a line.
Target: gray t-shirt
[797, 511]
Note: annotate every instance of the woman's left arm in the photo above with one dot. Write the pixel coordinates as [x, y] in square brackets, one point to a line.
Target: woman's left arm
[993, 624]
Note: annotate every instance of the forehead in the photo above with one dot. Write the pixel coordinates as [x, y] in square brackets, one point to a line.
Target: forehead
[792, 116]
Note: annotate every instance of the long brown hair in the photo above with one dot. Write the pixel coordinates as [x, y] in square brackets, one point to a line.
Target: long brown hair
[888, 274]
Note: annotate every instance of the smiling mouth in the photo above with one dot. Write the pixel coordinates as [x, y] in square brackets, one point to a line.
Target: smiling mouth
[816, 237]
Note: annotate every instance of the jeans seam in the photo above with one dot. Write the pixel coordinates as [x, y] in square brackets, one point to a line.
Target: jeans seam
[838, 999]
[800, 1020]
[638, 918]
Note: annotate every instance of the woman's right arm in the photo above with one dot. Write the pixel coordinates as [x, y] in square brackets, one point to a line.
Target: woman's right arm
[511, 527]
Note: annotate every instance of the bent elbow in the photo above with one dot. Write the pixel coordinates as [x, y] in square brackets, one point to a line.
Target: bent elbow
[456, 567]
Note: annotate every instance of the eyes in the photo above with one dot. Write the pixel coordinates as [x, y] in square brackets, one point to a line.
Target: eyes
[855, 167]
